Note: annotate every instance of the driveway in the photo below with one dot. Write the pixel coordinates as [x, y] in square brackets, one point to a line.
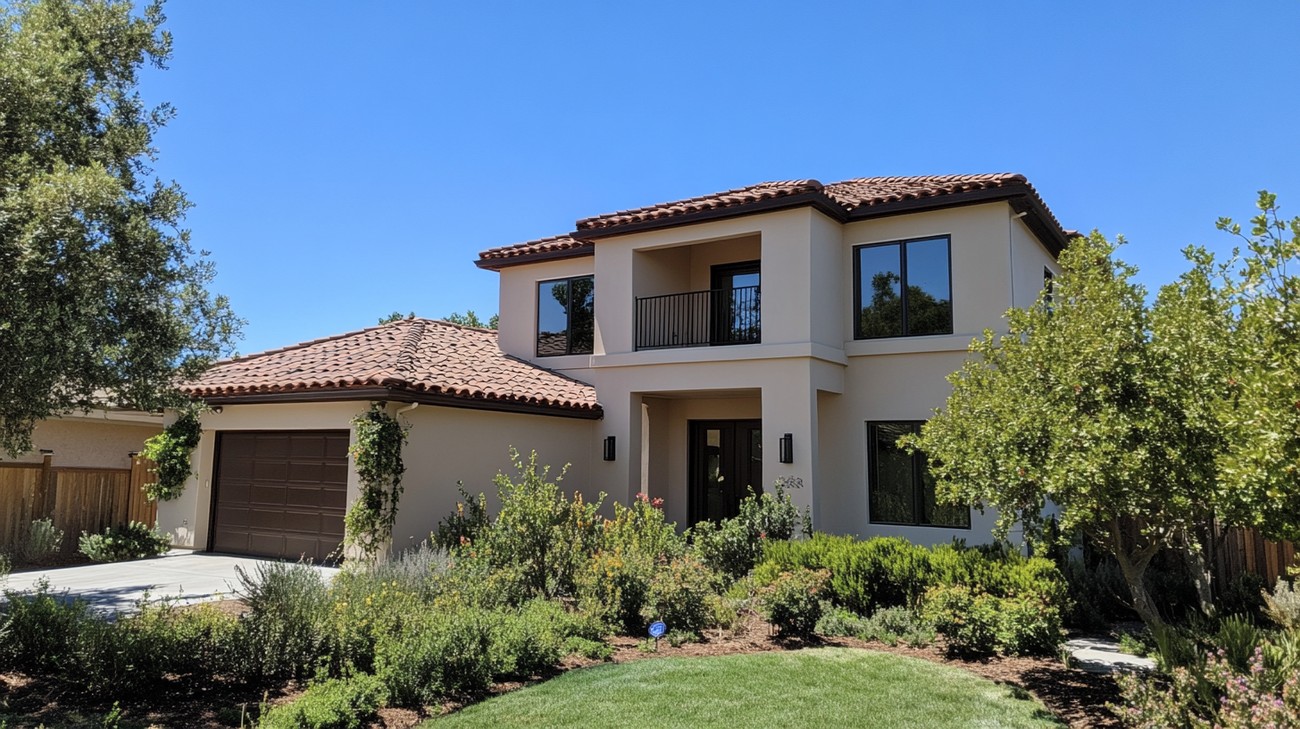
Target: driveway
[183, 576]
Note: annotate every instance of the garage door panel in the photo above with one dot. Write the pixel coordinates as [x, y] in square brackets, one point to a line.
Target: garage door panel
[306, 472]
[280, 494]
[268, 470]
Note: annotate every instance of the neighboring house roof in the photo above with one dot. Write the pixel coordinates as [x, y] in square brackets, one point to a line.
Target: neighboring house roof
[410, 360]
[845, 201]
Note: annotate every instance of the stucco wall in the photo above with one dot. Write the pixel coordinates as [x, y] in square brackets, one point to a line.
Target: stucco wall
[1028, 259]
[517, 330]
[446, 445]
[91, 441]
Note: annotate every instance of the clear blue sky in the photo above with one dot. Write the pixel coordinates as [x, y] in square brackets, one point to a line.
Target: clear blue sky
[350, 159]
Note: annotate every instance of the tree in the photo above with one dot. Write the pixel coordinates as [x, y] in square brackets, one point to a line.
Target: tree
[470, 319]
[395, 316]
[1098, 403]
[102, 298]
[1261, 463]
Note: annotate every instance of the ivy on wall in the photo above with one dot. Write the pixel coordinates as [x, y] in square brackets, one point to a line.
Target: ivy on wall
[377, 454]
[170, 450]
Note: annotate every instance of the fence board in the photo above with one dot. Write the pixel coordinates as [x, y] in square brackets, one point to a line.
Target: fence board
[75, 499]
[1246, 550]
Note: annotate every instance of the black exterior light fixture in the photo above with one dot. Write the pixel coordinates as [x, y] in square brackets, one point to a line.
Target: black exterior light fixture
[609, 447]
[787, 448]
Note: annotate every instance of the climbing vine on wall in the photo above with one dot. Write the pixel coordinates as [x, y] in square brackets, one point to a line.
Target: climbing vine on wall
[170, 450]
[377, 454]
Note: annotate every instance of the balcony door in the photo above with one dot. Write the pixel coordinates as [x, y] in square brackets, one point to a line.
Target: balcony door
[735, 303]
[726, 461]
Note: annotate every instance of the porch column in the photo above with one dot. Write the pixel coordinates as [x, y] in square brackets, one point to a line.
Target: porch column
[791, 407]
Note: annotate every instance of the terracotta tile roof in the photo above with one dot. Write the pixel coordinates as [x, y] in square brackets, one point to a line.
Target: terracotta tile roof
[846, 200]
[533, 248]
[422, 359]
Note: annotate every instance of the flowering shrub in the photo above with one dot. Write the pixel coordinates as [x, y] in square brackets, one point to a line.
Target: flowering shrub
[615, 582]
[679, 595]
[1234, 700]
[793, 604]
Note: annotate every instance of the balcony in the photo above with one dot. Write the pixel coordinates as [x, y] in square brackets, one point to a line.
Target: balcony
[699, 318]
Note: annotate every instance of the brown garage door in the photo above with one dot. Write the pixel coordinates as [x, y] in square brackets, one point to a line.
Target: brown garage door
[280, 494]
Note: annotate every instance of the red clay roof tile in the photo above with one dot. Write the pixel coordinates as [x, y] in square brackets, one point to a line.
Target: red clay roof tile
[414, 356]
[851, 196]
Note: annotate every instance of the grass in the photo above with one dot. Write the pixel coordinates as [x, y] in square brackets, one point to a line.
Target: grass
[821, 687]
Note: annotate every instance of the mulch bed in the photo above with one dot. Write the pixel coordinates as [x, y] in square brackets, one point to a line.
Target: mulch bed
[1077, 697]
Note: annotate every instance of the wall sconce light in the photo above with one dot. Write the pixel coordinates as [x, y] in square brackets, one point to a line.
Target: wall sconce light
[787, 448]
[609, 447]
[217, 409]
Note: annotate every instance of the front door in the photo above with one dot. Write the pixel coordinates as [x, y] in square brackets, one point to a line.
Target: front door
[726, 459]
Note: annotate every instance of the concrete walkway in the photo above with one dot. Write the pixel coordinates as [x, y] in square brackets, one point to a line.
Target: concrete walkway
[1102, 655]
[183, 576]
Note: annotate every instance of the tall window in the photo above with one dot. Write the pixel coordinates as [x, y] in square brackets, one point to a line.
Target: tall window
[566, 321]
[899, 485]
[903, 288]
[1049, 286]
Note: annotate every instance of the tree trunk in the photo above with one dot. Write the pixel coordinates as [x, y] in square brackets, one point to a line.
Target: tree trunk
[1143, 605]
[1194, 558]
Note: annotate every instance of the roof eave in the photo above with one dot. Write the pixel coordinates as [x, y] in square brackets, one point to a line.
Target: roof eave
[392, 394]
[496, 264]
[817, 200]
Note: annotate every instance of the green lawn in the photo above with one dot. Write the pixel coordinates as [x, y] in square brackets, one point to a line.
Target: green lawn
[824, 688]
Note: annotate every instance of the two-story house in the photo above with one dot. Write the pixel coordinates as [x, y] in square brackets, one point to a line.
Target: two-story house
[689, 350]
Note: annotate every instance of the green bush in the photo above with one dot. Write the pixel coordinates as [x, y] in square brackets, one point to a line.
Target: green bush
[1027, 625]
[596, 650]
[837, 622]
[547, 537]
[465, 525]
[897, 624]
[42, 631]
[339, 703]
[529, 641]
[732, 547]
[133, 541]
[41, 542]
[287, 625]
[1283, 605]
[793, 604]
[437, 654]
[1243, 595]
[615, 586]
[365, 604]
[967, 620]
[678, 595]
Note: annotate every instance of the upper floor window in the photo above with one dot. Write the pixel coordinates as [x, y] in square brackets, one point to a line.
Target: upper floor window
[902, 288]
[900, 488]
[566, 322]
[1049, 289]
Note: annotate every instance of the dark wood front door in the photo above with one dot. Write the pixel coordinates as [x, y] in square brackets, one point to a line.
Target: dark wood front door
[726, 462]
[280, 494]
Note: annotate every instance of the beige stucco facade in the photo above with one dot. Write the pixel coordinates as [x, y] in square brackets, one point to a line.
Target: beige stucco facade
[97, 439]
[809, 377]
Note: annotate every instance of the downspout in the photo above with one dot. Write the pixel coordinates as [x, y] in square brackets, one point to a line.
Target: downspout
[406, 409]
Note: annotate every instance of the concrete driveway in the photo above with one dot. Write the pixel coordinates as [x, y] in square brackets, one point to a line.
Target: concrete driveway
[183, 576]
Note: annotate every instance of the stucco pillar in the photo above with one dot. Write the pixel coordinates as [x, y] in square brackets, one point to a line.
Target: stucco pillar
[791, 407]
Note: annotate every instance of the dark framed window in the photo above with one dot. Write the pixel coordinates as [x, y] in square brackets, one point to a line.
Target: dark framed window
[1049, 284]
[899, 486]
[903, 288]
[566, 321]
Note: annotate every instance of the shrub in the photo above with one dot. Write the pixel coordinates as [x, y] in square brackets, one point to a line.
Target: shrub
[895, 624]
[529, 641]
[340, 703]
[43, 631]
[642, 529]
[538, 531]
[837, 622]
[1097, 592]
[1243, 595]
[5, 567]
[734, 546]
[1212, 694]
[465, 525]
[133, 541]
[595, 650]
[615, 585]
[288, 621]
[1027, 625]
[41, 542]
[967, 620]
[436, 654]
[792, 602]
[364, 605]
[1283, 605]
[678, 595]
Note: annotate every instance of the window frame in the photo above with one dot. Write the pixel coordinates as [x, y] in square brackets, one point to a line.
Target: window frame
[901, 243]
[568, 314]
[918, 462]
[1049, 289]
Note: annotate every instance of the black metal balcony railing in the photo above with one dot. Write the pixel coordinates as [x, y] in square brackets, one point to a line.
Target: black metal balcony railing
[699, 318]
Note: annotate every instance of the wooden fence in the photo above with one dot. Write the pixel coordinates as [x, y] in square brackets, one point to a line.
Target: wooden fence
[76, 499]
[1245, 550]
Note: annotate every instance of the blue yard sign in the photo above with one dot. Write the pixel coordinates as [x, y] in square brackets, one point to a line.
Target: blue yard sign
[657, 629]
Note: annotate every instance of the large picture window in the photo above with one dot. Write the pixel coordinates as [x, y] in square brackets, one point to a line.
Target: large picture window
[566, 321]
[902, 288]
[899, 485]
